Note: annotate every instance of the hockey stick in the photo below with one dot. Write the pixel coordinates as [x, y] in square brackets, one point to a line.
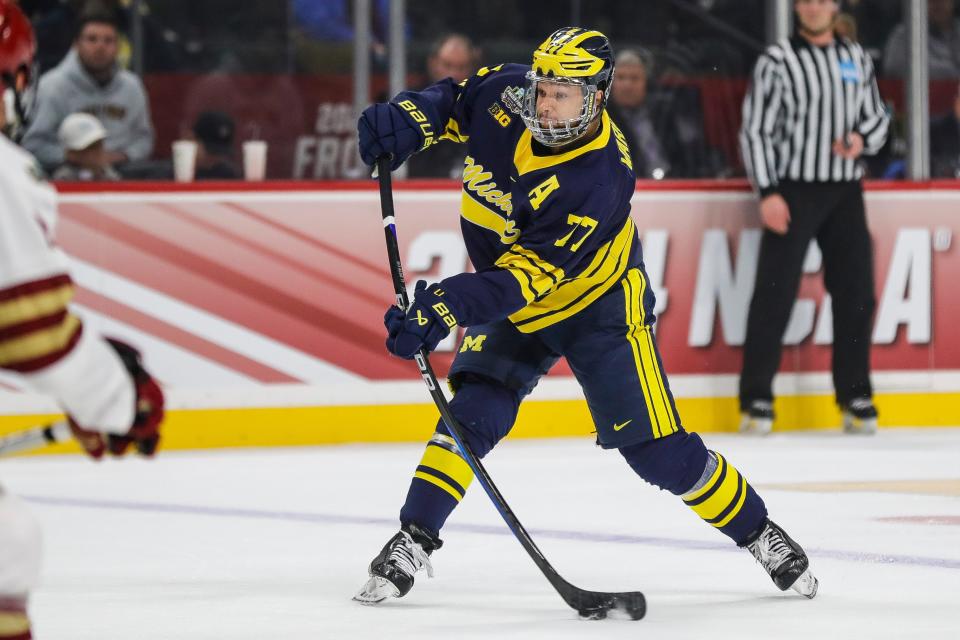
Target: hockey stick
[34, 438]
[589, 604]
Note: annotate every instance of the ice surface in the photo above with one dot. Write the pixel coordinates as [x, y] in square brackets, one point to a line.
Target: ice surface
[253, 544]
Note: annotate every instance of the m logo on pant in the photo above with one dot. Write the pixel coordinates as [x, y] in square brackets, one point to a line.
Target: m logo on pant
[472, 343]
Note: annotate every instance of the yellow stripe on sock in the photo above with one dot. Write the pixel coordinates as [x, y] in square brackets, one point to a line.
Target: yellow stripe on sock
[448, 463]
[736, 509]
[440, 483]
[13, 624]
[722, 497]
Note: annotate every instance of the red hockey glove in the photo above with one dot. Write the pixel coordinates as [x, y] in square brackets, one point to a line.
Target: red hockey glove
[144, 434]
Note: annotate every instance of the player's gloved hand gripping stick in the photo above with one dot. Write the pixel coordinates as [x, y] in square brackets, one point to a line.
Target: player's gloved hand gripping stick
[589, 604]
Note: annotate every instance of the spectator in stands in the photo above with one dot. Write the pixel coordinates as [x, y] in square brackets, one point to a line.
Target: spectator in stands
[82, 138]
[90, 80]
[163, 47]
[630, 110]
[663, 127]
[943, 48]
[213, 131]
[452, 56]
[945, 143]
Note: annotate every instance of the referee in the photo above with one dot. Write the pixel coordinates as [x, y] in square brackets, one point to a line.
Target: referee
[813, 108]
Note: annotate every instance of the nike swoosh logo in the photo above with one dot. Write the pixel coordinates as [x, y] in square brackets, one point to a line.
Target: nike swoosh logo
[617, 427]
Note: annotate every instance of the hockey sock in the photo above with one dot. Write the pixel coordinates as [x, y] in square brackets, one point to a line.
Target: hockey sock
[486, 410]
[14, 623]
[438, 485]
[724, 499]
[681, 464]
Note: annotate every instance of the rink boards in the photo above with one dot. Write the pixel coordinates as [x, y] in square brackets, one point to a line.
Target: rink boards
[260, 308]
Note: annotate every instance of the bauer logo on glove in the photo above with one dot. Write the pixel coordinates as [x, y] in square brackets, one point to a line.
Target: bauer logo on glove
[428, 321]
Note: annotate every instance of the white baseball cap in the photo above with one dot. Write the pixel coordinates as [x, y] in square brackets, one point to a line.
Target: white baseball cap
[80, 130]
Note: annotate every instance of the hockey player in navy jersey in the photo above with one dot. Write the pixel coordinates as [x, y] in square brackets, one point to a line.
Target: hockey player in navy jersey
[545, 215]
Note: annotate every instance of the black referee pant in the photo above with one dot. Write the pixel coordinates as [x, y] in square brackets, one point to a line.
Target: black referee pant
[833, 213]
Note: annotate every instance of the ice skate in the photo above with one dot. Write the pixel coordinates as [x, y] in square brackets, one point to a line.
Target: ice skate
[860, 417]
[758, 420]
[393, 570]
[784, 560]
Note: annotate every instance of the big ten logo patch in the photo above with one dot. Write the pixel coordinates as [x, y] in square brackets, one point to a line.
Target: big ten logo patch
[499, 114]
[472, 343]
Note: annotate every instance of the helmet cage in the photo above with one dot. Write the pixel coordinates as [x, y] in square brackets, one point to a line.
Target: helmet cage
[562, 132]
[19, 98]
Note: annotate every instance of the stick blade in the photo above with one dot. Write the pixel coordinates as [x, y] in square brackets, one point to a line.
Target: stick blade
[595, 605]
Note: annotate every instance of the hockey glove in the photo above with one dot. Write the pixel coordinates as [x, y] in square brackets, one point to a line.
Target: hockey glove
[144, 434]
[428, 321]
[385, 128]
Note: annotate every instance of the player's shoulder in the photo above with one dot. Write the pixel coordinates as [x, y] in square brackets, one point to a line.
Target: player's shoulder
[499, 78]
[776, 53]
[506, 72]
[17, 163]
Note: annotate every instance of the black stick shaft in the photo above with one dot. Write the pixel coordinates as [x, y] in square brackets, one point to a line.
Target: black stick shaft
[34, 438]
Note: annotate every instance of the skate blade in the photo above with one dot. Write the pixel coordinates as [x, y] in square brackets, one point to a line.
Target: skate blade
[867, 427]
[756, 426]
[806, 585]
[376, 590]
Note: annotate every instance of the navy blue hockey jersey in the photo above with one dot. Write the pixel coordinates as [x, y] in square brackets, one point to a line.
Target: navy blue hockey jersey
[548, 234]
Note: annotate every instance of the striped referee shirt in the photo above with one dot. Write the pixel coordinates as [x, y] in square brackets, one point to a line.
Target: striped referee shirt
[804, 97]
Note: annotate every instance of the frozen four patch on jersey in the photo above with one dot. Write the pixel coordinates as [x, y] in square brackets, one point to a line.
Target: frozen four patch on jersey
[512, 97]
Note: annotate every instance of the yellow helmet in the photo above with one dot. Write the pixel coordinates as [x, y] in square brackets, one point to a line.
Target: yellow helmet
[573, 56]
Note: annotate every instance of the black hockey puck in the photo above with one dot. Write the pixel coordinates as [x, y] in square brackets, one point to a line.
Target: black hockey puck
[592, 614]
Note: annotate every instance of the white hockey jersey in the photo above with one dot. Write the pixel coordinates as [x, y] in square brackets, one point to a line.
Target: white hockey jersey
[40, 338]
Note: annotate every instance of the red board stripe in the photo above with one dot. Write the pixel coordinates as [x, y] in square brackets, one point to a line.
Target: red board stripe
[338, 283]
[340, 253]
[183, 339]
[229, 278]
